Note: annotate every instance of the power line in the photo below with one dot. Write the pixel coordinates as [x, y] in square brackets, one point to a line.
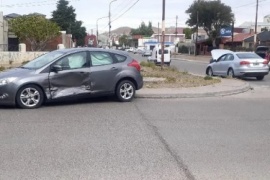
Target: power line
[121, 14]
[244, 5]
[32, 4]
[126, 10]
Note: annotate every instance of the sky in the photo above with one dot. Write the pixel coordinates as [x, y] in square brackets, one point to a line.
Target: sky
[132, 12]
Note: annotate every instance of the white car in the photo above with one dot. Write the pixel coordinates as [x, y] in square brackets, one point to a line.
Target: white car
[237, 64]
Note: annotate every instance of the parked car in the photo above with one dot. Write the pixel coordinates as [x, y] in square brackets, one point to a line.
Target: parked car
[147, 52]
[76, 72]
[237, 64]
[157, 54]
[138, 51]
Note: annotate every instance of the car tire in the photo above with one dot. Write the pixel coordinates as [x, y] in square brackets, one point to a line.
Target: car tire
[230, 73]
[209, 72]
[125, 91]
[259, 78]
[29, 97]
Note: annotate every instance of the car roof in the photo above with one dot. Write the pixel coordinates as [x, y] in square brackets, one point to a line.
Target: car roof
[71, 50]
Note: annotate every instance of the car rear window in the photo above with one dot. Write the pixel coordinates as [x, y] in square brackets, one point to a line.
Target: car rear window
[248, 56]
[165, 51]
[120, 58]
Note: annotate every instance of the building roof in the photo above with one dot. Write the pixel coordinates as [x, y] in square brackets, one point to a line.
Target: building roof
[239, 37]
[250, 24]
[263, 36]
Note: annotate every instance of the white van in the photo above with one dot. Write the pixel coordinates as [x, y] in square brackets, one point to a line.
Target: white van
[156, 55]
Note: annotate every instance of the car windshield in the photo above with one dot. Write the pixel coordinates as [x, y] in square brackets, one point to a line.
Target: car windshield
[248, 56]
[42, 60]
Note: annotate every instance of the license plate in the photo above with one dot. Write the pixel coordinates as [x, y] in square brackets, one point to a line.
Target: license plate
[255, 64]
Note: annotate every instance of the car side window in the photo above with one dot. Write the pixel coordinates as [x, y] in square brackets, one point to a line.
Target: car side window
[100, 58]
[120, 58]
[222, 58]
[74, 61]
[229, 57]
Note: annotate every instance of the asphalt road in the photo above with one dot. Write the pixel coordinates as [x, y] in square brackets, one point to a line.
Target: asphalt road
[199, 68]
[209, 138]
[196, 139]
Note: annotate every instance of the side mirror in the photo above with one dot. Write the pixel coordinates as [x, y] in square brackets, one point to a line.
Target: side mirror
[56, 68]
[213, 60]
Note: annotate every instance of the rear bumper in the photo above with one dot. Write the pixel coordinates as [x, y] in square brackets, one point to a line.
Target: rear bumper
[252, 73]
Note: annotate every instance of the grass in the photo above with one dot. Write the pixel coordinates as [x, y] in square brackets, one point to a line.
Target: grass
[174, 78]
[2, 68]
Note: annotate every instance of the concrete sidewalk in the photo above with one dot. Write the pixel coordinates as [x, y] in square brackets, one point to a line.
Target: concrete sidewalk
[224, 88]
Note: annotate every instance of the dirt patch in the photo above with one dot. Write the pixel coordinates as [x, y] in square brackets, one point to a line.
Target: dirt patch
[174, 78]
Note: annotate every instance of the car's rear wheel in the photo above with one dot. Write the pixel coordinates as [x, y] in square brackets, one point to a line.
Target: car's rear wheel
[230, 73]
[125, 91]
[29, 97]
[260, 78]
[210, 72]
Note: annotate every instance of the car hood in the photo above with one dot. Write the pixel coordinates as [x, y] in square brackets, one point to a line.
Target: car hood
[16, 72]
[217, 53]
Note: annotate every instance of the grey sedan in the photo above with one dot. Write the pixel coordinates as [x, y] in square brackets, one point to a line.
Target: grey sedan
[78, 72]
[237, 64]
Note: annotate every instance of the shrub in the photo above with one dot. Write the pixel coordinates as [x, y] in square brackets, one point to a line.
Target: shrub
[2, 68]
[208, 78]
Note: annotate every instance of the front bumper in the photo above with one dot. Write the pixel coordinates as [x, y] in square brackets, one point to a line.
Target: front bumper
[7, 95]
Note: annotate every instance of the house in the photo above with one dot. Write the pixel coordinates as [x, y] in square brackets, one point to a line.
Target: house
[260, 25]
[12, 42]
[262, 37]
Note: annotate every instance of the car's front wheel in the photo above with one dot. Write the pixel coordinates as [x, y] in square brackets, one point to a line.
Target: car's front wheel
[260, 78]
[29, 97]
[125, 91]
[210, 72]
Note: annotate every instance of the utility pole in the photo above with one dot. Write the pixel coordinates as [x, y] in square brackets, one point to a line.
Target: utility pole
[256, 19]
[232, 34]
[197, 29]
[158, 33]
[97, 27]
[176, 32]
[163, 34]
[110, 22]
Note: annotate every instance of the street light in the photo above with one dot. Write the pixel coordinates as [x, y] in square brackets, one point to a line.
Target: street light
[110, 22]
[97, 25]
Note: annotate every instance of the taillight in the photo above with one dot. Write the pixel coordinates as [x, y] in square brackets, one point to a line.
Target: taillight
[242, 63]
[135, 64]
[265, 62]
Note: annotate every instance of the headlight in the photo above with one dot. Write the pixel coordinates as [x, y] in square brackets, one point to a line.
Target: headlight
[6, 81]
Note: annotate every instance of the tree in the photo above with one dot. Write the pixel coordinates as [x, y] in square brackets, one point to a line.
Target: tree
[187, 32]
[123, 40]
[212, 15]
[143, 30]
[65, 17]
[264, 29]
[36, 30]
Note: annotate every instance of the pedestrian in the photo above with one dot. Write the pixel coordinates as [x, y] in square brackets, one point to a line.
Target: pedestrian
[267, 56]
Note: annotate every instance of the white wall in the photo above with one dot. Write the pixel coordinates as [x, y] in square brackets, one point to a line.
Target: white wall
[16, 58]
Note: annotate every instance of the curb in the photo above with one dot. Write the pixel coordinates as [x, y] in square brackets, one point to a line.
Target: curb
[189, 60]
[243, 89]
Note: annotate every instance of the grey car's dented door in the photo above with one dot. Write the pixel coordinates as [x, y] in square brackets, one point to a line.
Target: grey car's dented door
[104, 71]
[72, 77]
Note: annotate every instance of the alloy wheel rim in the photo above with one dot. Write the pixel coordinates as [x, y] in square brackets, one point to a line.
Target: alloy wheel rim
[126, 91]
[230, 73]
[210, 72]
[30, 97]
